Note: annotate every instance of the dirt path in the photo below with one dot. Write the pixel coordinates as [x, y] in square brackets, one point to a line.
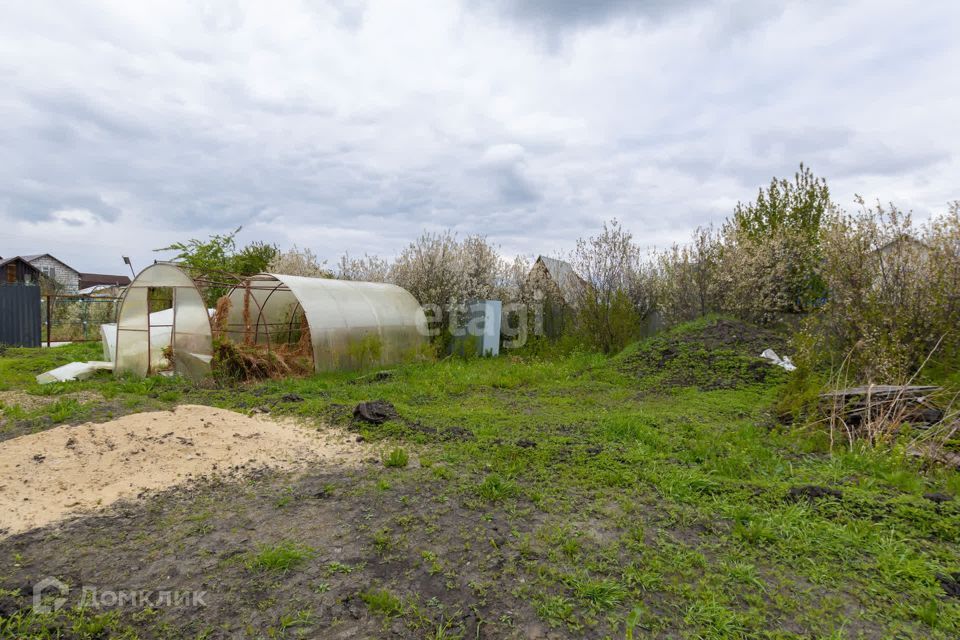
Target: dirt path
[46, 477]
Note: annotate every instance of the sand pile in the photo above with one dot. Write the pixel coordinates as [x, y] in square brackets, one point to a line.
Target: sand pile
[49, 476]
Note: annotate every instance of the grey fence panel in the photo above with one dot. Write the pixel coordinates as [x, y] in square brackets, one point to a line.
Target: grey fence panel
[20, 315]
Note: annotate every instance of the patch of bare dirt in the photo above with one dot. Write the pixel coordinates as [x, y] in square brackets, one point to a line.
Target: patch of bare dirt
[28, 402]
[62, 472]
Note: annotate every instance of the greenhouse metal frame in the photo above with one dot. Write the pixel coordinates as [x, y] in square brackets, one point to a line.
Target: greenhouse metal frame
[351, 324]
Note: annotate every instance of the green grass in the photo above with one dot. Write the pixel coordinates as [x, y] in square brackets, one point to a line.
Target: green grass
[644, 508]
[382, 602]
[282, 557]
[397, 458]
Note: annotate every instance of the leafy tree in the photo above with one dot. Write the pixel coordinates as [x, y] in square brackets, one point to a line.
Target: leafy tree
[797, 206]
[772, 248]
[218, 260]
[616, 291]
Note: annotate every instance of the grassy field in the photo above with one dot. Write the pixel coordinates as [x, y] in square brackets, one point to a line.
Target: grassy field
[653, 494]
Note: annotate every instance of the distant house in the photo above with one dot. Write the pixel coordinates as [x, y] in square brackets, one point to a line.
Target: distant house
[561, 289]
[554, 277]
[100, 284]
[16, 270]
[101, 279]
[66, 277]
[901, 245]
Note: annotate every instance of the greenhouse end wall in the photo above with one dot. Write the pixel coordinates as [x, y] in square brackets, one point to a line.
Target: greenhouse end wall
[140, 342]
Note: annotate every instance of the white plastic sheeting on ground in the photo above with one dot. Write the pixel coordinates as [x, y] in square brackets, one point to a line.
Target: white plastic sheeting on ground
[784, 362]
[74, 371]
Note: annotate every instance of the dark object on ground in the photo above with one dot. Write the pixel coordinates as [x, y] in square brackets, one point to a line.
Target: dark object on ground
[950, 583]
[260, 409]
[724, 354]
[526, 444]
[378, 376]
[938, 498]
[375, 412]
[812, 492]
[889, 403]
[291, 397]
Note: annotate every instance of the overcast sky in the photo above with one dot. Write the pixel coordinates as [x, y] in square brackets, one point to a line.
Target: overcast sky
[354, 126]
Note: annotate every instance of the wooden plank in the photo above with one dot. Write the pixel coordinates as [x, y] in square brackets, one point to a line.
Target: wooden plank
[881, 390]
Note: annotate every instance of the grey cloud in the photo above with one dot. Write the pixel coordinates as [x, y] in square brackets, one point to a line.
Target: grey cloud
[570, 14]
[68, 110]
[553, 19]
[177, 135]
[37, 202]
[513, 187]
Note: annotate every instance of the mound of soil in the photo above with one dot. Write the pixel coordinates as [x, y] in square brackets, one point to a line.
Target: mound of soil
[48, 476]
[724, 354]
[375, 412]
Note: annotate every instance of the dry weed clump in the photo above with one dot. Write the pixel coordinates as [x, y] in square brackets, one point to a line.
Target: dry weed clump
[250, 359]
[924, 418]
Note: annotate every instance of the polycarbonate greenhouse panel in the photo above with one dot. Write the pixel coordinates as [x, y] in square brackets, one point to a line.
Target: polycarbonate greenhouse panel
[352, 324]
[140, 342]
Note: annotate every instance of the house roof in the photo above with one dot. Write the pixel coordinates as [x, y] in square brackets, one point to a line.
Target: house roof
[902, 238]
[37, 256]
[563, 274]
[95, 279]
[22, 259]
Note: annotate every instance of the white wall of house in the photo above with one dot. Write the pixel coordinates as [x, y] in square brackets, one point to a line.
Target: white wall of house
[68, 278]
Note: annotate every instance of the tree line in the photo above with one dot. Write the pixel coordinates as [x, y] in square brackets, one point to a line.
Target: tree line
[871, 288]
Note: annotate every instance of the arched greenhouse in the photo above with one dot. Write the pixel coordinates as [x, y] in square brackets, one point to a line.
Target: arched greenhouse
[164, 325]
[351, 324]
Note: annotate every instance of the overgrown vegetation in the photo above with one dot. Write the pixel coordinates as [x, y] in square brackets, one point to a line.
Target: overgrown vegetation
[681, 488]
[578, 495]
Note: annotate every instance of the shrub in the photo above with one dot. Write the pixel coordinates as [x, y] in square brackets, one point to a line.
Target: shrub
[893, 294]
[298, 262]
[616, 292]
[686, 280]
[366, 269]
[443, 273]
[764, 261]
